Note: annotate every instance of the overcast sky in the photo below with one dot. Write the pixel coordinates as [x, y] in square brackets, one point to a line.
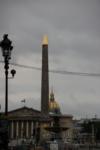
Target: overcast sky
[73, 29]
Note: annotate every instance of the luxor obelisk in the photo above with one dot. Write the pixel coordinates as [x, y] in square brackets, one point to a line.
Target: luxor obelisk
[45, 78]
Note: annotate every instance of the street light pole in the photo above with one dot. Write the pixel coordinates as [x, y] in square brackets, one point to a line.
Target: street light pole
[6, 47]
[6, 85]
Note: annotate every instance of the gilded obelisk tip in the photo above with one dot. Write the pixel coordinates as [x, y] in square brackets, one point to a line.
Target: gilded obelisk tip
[45, 40]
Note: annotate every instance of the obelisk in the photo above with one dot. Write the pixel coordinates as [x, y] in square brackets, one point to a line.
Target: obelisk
[45, 78]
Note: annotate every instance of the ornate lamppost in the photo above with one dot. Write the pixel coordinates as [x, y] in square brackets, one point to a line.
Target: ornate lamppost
[6, 47]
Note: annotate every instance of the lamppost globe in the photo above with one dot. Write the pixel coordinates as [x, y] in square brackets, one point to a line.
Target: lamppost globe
[13, 72]
[6, 47]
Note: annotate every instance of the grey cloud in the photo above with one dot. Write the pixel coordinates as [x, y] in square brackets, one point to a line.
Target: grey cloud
[73, 28]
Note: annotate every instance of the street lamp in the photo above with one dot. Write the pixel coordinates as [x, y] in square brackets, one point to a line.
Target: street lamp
[6, 47]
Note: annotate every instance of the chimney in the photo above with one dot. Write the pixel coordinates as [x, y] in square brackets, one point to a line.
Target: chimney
[45, 78]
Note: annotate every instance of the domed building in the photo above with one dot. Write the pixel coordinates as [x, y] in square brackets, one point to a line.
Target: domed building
[61, 124]
[53, 105]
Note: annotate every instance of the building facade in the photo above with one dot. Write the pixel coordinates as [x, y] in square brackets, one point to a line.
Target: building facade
[27, 124]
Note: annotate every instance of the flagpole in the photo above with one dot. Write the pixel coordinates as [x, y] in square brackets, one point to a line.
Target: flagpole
[23, 101]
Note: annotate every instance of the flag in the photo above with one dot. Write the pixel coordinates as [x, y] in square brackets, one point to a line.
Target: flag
[23, 100]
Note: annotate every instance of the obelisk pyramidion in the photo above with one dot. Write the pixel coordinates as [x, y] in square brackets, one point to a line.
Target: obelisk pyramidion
[45, 78]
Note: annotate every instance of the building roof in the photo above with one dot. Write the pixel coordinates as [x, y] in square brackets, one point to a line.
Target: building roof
[25, 113]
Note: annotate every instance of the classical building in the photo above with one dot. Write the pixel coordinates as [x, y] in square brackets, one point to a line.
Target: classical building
[28, 123]
[65, 120]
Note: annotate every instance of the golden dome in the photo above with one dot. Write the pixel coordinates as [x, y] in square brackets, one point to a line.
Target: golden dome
[53, 105]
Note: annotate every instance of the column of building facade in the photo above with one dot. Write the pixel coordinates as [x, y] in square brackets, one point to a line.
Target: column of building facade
[22, 129]
[16, 129]
[19, 129]
[12, 130]
[37, 128]
[27, 129]
[32, 128]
